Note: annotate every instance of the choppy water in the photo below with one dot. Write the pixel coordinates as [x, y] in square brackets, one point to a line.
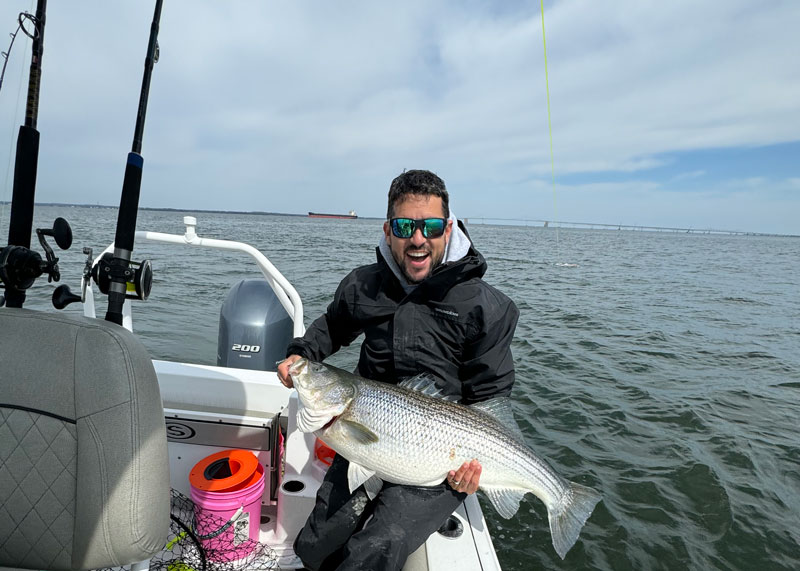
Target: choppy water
[663, 370]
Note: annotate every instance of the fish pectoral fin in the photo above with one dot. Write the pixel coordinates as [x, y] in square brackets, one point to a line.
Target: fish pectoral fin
[505, 500]
[357, 475]
[358, 432]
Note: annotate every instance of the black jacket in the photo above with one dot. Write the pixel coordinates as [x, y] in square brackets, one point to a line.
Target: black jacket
[452, 325]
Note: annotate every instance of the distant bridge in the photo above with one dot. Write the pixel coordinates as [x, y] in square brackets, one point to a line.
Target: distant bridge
[603, 226]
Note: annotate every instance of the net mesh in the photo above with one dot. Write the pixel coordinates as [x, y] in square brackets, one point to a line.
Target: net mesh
[201, 541]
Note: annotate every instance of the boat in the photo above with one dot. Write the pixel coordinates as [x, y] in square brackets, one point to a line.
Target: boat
[119, 436]
[255, 400]
[349, 216]
[210, 409]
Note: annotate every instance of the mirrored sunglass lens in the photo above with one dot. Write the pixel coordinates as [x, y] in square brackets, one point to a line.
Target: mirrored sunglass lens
[434, 227]
[403, 227]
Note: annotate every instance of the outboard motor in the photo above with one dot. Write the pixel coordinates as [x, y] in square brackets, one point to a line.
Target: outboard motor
[254, 328]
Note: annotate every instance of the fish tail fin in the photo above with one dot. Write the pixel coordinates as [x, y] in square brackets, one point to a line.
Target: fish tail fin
[569, 514]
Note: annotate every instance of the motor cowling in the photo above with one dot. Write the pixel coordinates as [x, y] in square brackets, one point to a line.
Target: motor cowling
[254, 328]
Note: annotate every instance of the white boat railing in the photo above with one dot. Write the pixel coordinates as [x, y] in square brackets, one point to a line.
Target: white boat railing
[287, 295]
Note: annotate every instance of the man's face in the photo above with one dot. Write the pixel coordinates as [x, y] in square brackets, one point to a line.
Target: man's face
[417, 256]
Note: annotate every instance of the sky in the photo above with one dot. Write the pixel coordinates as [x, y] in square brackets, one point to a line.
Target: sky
[678, 114]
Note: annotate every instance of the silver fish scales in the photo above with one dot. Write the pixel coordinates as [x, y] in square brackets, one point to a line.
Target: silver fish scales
[409, 434]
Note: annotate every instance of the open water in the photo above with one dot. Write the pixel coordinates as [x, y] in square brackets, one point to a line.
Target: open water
[663, 369]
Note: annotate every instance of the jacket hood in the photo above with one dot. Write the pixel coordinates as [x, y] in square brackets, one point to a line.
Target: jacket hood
[462, 262]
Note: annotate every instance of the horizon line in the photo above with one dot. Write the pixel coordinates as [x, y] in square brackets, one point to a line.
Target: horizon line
[466, 219]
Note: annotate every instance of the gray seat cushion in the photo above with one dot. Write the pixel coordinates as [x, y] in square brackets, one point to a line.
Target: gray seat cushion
[84, 474]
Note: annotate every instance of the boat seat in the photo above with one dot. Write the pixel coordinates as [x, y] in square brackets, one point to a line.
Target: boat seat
[84, 472]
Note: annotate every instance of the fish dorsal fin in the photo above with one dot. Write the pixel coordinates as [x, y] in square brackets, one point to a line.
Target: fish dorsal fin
[505, 500]
[357, 475]
[500, 408]
[358, 432]
[427, 385]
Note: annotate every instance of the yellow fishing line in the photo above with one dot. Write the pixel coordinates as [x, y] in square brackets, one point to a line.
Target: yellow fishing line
[175, 540]
[549, 123]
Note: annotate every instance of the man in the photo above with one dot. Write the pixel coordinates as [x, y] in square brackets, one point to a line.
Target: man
[423, 308]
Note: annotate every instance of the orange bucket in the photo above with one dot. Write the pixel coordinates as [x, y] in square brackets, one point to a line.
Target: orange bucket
[323, 452]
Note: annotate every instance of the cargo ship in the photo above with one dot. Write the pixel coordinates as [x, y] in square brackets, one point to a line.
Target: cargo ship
[350, 215]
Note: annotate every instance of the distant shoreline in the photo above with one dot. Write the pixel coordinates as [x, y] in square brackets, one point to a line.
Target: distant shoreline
[156, 209]
[483, 220]
[212, 211]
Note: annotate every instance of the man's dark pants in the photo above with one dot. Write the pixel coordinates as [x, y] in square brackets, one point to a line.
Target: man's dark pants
[336, 537]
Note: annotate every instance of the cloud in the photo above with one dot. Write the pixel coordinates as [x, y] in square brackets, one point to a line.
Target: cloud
[295, 106]
[688, 175]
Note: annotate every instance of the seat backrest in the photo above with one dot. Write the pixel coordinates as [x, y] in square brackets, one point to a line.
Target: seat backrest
[84, 472]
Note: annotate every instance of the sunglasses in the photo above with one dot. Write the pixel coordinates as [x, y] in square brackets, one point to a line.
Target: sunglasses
[405, 227]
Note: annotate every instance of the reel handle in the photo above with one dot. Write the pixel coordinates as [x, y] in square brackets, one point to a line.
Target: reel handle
[63, 296]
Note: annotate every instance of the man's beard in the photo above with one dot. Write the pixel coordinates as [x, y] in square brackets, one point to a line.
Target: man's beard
[435, 263]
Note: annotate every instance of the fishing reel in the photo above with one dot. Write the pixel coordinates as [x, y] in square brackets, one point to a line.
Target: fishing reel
[138, 276]
[20, 266]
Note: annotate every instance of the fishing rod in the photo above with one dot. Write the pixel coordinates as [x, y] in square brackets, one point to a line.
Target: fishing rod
[19, 265]
[24, 16]
[115, 274]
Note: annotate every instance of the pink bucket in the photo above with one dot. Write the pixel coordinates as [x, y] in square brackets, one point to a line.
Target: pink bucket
[222, 485]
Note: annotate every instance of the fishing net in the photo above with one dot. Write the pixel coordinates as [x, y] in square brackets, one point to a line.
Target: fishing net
[222, 547]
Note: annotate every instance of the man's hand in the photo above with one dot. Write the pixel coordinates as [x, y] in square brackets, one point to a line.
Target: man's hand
[466, 478]
[283, 370]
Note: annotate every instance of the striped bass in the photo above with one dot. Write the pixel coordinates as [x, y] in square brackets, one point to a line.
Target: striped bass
[410, 434]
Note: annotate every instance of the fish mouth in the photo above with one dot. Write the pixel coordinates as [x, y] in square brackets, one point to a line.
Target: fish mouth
[298, 367]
